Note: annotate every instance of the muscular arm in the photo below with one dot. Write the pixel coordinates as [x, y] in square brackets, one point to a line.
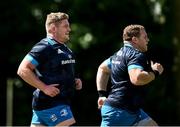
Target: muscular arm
[140, 77]
[102, 77]
[25, 71]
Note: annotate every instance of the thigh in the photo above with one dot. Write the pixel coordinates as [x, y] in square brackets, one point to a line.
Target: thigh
[36, 120]
[37, 125]
[68, 122]
[145, 120]
[60, 115]
[117, 117]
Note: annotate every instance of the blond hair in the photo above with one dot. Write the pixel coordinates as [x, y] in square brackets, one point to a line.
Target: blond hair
[54, 18]
[132, 31]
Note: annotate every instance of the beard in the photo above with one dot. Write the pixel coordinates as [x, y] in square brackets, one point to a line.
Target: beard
[66, 39]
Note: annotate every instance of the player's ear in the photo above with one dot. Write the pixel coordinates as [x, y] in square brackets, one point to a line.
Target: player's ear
[52, 28]
[134, 39]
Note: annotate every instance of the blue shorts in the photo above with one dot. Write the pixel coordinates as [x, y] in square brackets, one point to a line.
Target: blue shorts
[52, 116]
[119, 117]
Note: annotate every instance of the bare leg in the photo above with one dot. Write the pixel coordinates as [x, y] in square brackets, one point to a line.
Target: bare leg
[37, 125]
[64, 123]
[67, 122]
[147, 122]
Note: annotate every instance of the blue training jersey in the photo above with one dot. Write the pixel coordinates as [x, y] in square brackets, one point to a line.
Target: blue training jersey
[54, 65]
[123, 93]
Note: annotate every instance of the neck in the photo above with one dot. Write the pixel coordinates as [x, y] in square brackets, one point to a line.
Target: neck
[55, 38]
[132, 44]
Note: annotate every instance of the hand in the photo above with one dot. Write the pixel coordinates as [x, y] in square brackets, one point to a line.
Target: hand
[101, 101]
[51, 90]
[78, 84]
[157, 66]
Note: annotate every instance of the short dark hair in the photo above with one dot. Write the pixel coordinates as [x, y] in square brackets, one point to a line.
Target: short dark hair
[132, 31]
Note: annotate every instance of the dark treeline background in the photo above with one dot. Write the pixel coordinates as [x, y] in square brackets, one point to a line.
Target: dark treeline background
[97, 27]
